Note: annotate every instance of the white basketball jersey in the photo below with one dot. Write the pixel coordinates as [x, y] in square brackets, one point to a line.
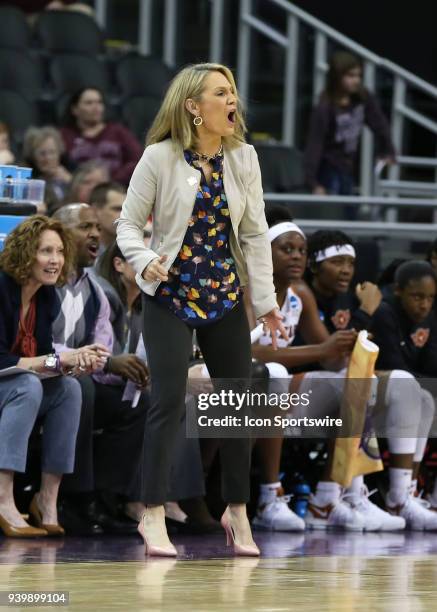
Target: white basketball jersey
[291, 311]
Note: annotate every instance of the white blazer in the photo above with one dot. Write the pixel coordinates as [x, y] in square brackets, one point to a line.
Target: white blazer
[164, 184]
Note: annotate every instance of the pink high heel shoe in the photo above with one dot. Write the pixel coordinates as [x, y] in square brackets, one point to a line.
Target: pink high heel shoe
[152, 527]
[241, 550]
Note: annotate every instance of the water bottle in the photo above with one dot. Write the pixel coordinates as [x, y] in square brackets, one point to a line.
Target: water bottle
[21, 184]
[301, 492]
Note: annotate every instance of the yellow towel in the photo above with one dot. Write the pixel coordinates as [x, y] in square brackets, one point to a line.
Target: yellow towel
[360, 454]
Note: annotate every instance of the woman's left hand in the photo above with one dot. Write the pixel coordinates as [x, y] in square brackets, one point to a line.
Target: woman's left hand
[273, 322]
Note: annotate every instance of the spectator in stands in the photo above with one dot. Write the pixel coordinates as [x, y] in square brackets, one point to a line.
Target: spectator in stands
[336, 126]
[187, 474]
[107, 200]
[85, 178]
[110, 463]
[405, 329]
[6, 155]
[42, 151]
[37, 256]
[87, 135]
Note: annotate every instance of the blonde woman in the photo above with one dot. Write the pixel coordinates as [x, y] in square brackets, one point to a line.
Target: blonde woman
[43, 148]
[201, 182]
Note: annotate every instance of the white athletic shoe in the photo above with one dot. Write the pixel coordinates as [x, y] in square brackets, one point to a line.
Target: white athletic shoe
[375, 519]
[416, 512]
[335, 515]
[274, 514]
[432, 503]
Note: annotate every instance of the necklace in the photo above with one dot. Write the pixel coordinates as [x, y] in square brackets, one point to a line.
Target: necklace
[202, 158]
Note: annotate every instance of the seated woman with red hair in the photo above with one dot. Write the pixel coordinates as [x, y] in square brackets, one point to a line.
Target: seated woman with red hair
[37, 256]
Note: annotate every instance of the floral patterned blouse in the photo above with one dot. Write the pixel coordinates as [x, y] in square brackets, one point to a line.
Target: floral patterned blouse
[203, 284]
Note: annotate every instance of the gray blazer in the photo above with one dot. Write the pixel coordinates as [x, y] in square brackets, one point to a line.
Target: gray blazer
[164, 183]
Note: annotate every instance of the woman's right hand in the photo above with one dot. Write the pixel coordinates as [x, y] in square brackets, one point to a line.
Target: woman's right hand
[155, 270]
[85, 360]
[339, 344]
[369, 295]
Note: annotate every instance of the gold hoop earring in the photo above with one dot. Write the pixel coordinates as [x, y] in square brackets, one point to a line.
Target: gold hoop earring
[198, 120]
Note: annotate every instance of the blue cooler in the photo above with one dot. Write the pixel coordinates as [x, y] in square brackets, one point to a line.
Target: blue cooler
[8, 175]
[12, 215]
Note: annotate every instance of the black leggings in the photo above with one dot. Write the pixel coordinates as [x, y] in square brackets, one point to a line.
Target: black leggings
[226, 349]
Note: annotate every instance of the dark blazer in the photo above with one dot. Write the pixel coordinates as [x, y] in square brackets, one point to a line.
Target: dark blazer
[47, 308]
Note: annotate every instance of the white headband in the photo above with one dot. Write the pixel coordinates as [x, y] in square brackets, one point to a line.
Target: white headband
[283, 228]
[334, 251]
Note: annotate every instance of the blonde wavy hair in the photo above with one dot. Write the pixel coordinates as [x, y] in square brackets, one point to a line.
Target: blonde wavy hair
[176, 122]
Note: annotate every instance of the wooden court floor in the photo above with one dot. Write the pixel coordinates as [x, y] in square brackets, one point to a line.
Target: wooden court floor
[306, 577]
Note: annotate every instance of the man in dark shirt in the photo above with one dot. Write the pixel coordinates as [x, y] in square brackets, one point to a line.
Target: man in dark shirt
[110, 462]
[405, 329]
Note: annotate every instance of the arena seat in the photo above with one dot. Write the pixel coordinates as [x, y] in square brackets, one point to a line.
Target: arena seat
[68, 32]
[137, 75]
[18, 113]
[264, 118]
[14, 29]
[138, 114]
[71, 72]
[281, 168]
[20, 72]
[368, 260]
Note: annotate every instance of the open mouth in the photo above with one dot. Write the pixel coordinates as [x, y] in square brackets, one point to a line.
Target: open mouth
[343, 284]
[231, 117]
[93, 250]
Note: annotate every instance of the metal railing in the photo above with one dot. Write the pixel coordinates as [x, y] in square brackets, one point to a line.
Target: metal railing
[390, 186]
[372, 202]
[403, 79]
[381, 213]
[395, 187]
[409, 231]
